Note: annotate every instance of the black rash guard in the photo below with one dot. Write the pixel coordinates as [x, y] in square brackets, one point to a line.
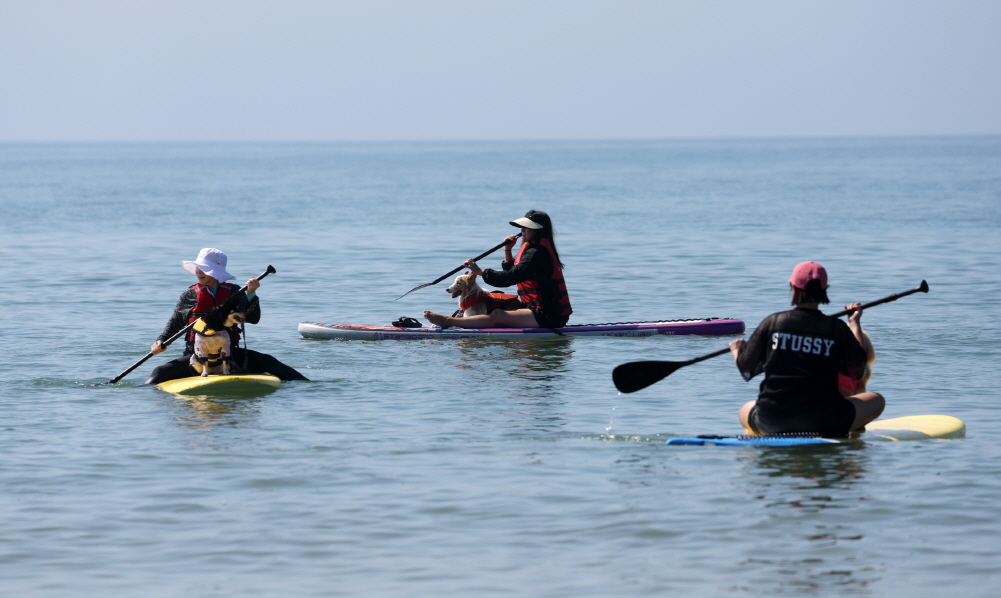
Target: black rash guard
[187, 301]
[257, 363]
[801, 352]
[535, 264]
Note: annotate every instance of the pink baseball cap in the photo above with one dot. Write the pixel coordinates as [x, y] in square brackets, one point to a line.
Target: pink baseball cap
[804, 272]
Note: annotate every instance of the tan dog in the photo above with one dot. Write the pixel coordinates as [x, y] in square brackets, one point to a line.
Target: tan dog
[474, 301]
[213, 354]
[870, 358]
[860, 386]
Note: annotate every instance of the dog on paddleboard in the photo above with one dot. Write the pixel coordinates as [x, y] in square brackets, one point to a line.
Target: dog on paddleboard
[870, 358]
[213, 355]
[861, 385]
[474, 301]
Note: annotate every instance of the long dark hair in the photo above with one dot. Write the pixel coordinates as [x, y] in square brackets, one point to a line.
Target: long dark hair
[546, 232]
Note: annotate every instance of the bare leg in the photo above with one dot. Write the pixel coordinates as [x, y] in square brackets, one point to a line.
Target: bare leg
[519, 318]
[744, 414]
[868, 406]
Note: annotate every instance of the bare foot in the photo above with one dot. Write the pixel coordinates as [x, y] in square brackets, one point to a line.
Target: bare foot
[436, 319]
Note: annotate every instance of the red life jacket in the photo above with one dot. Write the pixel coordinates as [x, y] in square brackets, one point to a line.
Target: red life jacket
[204, 301]
[488, 297]
[529, 291]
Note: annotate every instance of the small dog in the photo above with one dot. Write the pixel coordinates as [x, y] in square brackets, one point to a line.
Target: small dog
[844, 383]
[870, 358]
[474, 301]
[213, 355]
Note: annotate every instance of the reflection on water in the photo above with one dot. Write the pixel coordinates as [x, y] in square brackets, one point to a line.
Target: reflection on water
[811, 466]
[539, 354]
[531, 371]
[209, 412]
[809, 530]
[541, 362]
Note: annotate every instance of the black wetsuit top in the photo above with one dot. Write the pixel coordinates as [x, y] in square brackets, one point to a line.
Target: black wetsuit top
[182, 313]
[536, 264]
[801, 352]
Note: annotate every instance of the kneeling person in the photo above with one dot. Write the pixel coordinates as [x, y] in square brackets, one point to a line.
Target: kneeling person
[197, 301]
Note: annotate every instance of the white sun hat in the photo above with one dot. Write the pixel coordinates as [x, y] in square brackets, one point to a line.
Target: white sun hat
[211, 262]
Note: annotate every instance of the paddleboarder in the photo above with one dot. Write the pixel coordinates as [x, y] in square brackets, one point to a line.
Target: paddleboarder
[801, 352]
[212, 289]
[538, 272]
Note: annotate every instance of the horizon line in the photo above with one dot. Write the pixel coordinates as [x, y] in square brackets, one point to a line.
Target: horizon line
[493, 140]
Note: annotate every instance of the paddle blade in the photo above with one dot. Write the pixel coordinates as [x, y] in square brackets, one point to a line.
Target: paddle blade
[637, 375]
[413, 289]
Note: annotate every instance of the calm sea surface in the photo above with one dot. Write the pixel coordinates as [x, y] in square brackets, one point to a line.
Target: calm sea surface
[491, 468]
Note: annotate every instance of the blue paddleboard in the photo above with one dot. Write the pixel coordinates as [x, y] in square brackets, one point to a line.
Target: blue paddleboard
[912, 427]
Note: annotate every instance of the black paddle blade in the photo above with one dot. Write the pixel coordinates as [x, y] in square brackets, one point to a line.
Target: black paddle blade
[637, 375]
[475, 259]
[414, 289]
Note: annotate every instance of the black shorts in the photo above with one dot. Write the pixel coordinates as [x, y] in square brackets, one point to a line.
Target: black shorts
[833, 419]
[547, 322]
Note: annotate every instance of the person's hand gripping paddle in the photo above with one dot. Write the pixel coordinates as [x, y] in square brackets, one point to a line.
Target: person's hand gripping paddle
[447, 274]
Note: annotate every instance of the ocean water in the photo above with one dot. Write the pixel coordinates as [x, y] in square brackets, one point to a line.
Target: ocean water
[491, 467]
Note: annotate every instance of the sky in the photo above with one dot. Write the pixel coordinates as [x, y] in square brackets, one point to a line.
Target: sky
[307, 70]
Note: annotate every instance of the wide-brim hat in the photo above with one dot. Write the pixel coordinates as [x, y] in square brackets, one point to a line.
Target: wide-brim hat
[210, 261]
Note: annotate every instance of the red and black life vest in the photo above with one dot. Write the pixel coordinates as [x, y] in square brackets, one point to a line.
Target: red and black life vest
[490, 298]
[205, 301]
[530, 291]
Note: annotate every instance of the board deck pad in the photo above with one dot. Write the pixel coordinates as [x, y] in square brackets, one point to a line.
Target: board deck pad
[222, 385]
[704, 326]
[911, 427]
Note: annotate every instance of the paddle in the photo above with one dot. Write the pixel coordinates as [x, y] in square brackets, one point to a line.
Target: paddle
[637, 375]
[443, 277]
[271, 270]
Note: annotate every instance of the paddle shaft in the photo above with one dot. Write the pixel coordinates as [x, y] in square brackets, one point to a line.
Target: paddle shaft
[181, 333]
[922, 288]
[447, 274]
[630, 377]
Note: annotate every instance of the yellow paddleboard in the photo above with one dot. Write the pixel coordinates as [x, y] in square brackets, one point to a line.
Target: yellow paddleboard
[222, 385]
[915, 427]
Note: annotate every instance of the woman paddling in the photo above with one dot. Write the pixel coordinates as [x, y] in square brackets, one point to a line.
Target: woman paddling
[212, 290]
[536, 270]
[801, 352]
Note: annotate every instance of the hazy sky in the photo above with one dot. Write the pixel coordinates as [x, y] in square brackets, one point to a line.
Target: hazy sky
[308, 70]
